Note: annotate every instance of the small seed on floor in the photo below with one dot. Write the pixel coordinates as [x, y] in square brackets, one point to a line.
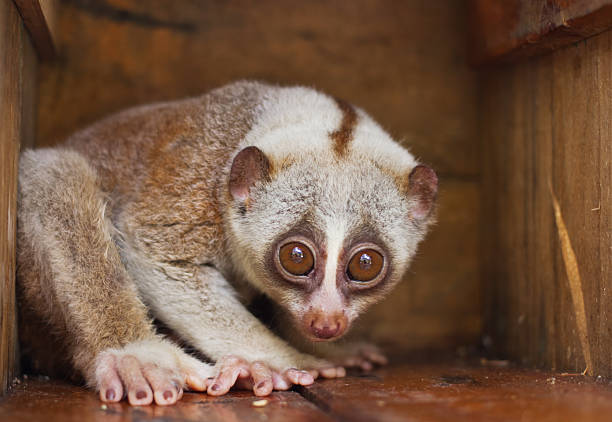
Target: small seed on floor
[260, 403]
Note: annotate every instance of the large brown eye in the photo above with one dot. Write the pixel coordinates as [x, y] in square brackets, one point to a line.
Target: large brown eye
[365, 265]
[296, 258]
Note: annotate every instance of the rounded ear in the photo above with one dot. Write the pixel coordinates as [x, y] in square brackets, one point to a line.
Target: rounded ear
[248, 167]
[423, 188]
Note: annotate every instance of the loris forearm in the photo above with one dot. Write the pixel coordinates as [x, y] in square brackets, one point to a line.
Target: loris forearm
[204, 311]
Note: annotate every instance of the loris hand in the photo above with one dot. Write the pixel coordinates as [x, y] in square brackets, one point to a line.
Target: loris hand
[148, 371]
[354, 355]
[263, 379]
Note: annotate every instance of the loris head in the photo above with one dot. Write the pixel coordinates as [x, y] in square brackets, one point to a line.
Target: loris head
[326, 220]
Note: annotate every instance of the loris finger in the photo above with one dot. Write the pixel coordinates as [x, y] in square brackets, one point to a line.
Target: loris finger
[165, 384]
[299, 377]
[111, 388]
[231, 369]
[196, 373]
[280, 382]
[333, 372]
[262, 379]
[138, 390]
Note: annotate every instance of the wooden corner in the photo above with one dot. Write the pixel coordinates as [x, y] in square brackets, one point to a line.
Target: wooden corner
[508, 30]
[39, 18]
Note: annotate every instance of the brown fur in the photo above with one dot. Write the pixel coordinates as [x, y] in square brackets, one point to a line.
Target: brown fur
[86, 294]
[125, 176]
[343, 136]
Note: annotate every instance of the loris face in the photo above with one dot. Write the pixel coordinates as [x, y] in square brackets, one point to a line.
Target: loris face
[326, 238]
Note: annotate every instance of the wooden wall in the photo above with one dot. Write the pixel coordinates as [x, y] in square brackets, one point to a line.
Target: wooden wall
[547, 123]
[17, 97]
[404, 62]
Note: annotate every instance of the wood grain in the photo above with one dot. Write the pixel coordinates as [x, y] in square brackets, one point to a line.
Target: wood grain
[459, 392]
[502, 31]
[382, 56]
[57, 401]
[11, 39]
[29, 93]
[419, 392]
[547, 123]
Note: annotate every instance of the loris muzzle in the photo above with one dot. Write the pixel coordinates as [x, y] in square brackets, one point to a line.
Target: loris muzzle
[185, 211]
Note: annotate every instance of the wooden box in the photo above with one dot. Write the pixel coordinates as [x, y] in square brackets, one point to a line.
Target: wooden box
[509, 101]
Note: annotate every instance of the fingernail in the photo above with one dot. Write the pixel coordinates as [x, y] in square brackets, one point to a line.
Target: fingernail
[141, 395]
[215, 387]
[110, 394]
[261, 384]
[167, 395]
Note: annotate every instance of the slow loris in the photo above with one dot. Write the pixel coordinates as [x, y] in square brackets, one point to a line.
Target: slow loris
[182, 211]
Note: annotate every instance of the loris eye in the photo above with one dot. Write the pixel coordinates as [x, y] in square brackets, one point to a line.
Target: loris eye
[296, 258]
[365, 265]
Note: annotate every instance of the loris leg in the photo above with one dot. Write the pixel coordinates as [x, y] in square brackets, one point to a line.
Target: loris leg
[71, 277]
[205, 312]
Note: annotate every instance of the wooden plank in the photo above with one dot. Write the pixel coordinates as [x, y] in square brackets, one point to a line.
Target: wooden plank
[463, 393]
[39, 17]
[603, 208]
[386, 59]
[17, 99]
[53, 401]
[12, 42]
[29, 91]
[509, 30]
[546, 124]
[576, 114]
[11, 38]
[542, 250]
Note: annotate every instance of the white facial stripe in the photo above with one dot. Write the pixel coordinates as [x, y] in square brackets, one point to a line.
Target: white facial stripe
[335, 233]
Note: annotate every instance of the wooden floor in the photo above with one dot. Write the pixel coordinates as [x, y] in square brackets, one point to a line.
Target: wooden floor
[433, 392]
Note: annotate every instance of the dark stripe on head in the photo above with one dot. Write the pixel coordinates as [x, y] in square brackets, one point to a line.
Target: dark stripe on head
[344, 135]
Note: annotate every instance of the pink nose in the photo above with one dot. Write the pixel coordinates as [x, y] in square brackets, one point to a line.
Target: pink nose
[326, 327]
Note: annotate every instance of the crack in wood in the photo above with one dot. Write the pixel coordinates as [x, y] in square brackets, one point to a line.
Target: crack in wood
[575, 283]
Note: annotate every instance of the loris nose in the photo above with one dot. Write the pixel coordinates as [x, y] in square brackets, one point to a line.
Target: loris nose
[325, 326]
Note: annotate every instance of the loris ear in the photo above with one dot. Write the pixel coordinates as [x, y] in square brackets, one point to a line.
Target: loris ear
[423, 188]
[249, 167]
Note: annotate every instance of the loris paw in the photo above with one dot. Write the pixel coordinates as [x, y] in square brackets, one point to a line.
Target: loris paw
[358, 355]
[148, 371]
[262, 378]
